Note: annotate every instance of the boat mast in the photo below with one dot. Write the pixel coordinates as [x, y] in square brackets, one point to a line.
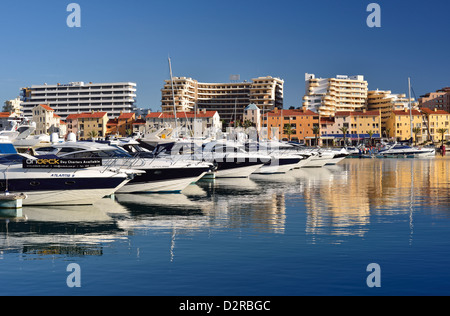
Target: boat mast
[173, 97]
[410, 108]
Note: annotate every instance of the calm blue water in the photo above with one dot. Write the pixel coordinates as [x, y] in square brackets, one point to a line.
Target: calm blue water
[309, 232]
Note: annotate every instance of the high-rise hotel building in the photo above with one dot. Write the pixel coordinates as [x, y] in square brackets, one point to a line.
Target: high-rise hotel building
[228, 99]
[78, 97]
[386, 102]
[327, 96]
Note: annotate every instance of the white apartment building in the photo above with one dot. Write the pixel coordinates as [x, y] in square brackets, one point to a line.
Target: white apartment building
[47, 121]
[327, 96]
[195, 123]
[13, 106]
[78, 97]
[228, 99]
[253, 114]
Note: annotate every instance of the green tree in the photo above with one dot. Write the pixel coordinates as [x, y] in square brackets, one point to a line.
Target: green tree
[344, 131]
[288, 130]
[370, 133]
[416, 131]
[92, 134]
[442, 131]
[316, 131]
[248, 123]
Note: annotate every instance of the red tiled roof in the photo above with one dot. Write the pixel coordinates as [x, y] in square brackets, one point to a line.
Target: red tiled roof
[139, 122]
[326, 120]
[113, 121]
[291, 113]
[154, 115]
[45, 106]
[357, 113]
[5, 114]
[400, 112]
[86, 115]
[125, 116]
[181, 114]
[72, 117]
[431, 111]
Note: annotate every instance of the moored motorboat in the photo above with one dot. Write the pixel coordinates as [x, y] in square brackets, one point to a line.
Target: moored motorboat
[399, 150]
[161, 175]
[229, 158]
[45, 182]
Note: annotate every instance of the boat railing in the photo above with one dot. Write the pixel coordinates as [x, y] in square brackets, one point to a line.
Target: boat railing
[124, 162]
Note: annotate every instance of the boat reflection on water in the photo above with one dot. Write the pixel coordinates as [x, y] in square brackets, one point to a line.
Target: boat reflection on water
[240, 203]
[327, 203]
[165, 211]
[209, 205]
[62, 230]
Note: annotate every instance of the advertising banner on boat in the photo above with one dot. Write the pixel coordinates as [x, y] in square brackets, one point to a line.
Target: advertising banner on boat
[61, 163]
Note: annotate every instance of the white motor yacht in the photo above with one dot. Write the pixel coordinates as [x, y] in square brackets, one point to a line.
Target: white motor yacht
[162, 175]
[396, 150]
[229, 158]
[284, 157]
[59, 181]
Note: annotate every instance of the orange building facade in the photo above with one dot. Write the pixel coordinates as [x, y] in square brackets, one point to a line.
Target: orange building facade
[300, 123]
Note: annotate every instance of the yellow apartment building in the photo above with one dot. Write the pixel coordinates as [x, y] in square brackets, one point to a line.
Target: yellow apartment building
[398, 125]
[435, 120]
[88, 125]
[359, 122]
[386, 102]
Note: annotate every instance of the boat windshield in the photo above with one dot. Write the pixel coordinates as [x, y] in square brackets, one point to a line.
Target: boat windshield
[179, 148]
[11, 159]
[7, 148]
[117, 153]
[401, 147]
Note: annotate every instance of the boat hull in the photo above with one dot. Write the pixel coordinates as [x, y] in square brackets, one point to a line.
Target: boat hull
[279, 165]
[161, 186]
[63, 187]
[237, 172]
[317, 162]
[66, 197]
[411, 154]
[164, 176]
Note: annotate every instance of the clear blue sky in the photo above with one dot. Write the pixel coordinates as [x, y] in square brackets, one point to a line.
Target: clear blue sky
[210, 40]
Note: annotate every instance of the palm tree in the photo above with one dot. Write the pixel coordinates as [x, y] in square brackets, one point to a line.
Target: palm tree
[344, 131]
[416, 131]
[93, 134]
[388, 132]
[288, 130]
[442, 131]
[248, 123]
[316, 131]
[370, 133]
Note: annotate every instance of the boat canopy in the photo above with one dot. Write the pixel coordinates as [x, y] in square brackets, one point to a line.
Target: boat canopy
[7, 148]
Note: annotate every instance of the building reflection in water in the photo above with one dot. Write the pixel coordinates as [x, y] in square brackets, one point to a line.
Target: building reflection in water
[341, 200]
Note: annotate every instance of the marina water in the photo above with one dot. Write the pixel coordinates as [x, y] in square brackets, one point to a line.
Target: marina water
[308, 232]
